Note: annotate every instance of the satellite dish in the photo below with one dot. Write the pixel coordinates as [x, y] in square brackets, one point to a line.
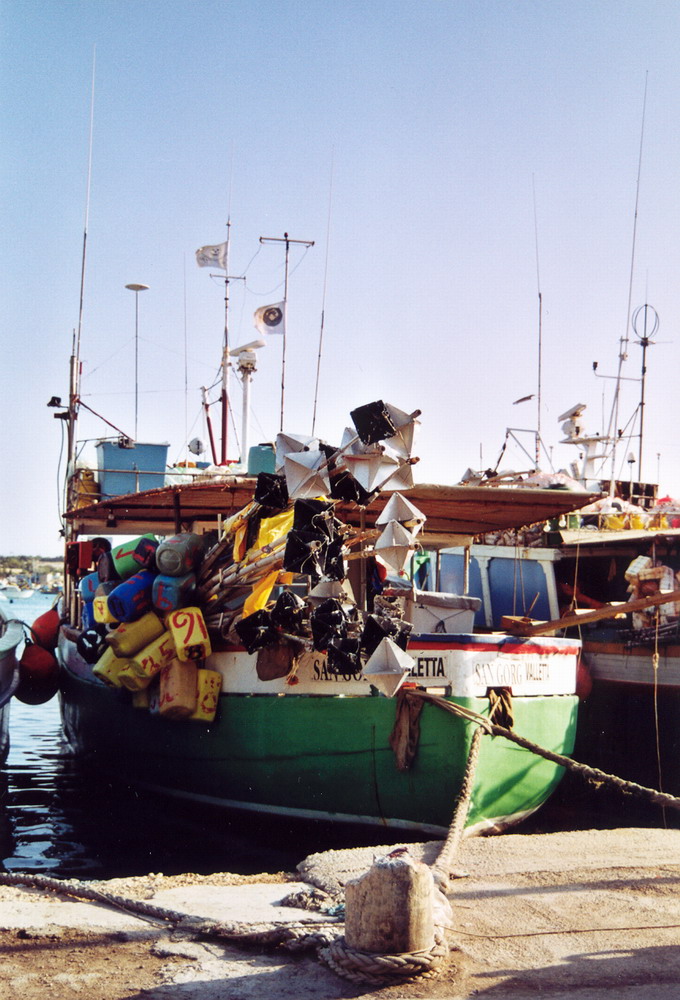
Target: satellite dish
[196, 446]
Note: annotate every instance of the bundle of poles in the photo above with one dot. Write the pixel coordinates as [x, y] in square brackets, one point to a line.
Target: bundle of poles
[224, 585]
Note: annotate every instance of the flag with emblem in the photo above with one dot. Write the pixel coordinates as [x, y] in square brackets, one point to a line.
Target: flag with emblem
[270, 319]
[212, 256]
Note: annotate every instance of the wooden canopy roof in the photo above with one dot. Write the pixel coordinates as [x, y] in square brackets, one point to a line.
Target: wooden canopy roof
[455, 514]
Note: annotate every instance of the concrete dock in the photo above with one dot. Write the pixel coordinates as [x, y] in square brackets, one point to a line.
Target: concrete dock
[586, 915]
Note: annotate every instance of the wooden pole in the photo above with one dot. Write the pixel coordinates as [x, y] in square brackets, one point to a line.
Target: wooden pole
[523, 626]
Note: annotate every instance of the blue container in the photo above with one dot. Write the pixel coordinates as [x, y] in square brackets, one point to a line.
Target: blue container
[130, 469]
[132, 599]
[261, 458]
[88, 615]
[172, 592]
[88, 586]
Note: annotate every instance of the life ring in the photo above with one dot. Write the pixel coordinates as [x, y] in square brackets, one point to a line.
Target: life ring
[91, 643]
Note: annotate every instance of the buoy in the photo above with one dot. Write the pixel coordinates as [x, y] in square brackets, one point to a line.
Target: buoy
[584, 679]
[38, 675]
[45, 629]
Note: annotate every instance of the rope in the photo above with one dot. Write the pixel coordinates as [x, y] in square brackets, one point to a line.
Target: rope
[365, 967]
[293, 937]
[573, 766]
[444, 863]
[655, 665]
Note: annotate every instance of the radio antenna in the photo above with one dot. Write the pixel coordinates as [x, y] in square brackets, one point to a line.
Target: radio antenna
[323, 297]
[540, 331]
[612, 431]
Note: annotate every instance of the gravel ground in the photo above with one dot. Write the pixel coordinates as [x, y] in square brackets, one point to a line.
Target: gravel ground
[584, 915]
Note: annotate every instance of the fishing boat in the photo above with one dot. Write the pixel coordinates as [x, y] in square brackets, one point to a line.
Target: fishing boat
[301, 727]
[609, 574]
[617, 590]
[11, 634]
[251, 643]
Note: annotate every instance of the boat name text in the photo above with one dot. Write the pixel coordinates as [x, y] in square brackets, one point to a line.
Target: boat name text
[506, 672]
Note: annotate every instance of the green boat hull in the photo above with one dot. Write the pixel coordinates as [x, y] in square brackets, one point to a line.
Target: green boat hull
[323, 757]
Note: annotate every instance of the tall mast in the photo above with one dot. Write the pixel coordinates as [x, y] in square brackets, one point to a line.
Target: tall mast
[287, 240]
[74, 368]
[623, 351]
[540, 336]
[225, 354]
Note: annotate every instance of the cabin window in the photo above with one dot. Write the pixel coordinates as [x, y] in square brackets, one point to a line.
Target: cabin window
[452, 578]
[518, 587]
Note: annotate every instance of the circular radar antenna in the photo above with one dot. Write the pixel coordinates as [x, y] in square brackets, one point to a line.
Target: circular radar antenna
[647, 317]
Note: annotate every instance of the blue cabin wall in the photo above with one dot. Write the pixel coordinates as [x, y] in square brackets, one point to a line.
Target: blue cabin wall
[507, 583]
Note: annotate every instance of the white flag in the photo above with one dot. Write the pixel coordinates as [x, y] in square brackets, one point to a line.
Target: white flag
[270, 319]
[212, 256]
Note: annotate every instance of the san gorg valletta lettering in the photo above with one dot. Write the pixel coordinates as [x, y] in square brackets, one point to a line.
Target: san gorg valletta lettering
[320, 672]
[429, 666]
[506, 672]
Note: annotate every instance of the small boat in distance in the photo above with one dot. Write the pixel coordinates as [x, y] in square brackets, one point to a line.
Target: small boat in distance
[10, 592]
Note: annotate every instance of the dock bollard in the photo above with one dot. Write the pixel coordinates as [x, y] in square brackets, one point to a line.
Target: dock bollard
[390, 927]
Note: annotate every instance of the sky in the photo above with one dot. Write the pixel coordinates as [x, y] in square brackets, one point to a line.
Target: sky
[450, 159]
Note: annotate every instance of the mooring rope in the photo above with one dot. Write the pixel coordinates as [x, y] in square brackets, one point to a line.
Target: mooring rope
[568, 763]
[294, 936]
[442, 867]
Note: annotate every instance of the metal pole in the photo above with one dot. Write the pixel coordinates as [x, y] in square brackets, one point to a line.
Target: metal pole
[285, 324]
[137, 288]
[645, 340]
[225, 355]
[136, 363]
[208, 424]
[245, 418]
[645, 343]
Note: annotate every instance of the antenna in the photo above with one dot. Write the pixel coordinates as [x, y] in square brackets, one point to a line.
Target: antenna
[651, 318]
[74, 390]
[614, 418]
[225, 352]
[323, 300]
[540, 331]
